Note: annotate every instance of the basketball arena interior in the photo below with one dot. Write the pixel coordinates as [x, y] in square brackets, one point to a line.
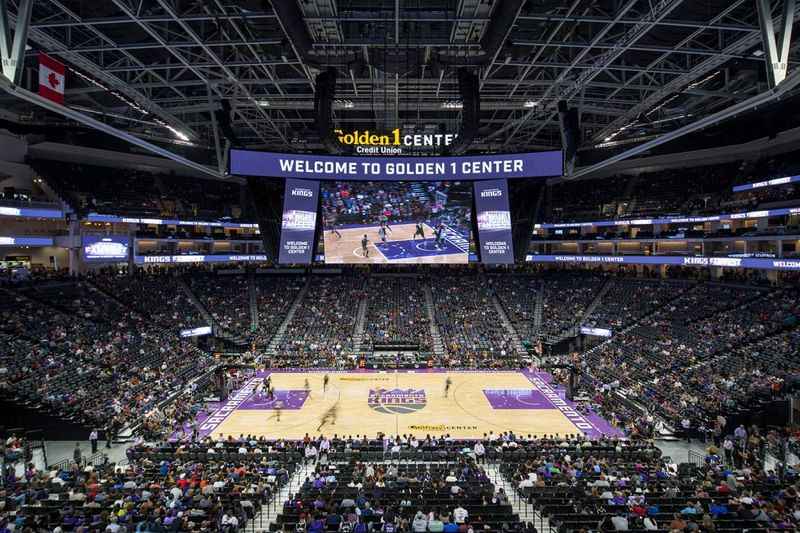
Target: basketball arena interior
[399, 266]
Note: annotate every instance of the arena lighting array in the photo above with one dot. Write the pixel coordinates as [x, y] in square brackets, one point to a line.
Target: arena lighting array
[636, 123]
[344, 103]
[130, 103]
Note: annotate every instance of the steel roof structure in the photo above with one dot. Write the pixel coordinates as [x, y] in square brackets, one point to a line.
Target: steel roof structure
[158, 69]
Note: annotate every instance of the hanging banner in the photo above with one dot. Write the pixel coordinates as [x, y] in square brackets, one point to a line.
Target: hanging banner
[494, 222]
[299, 221]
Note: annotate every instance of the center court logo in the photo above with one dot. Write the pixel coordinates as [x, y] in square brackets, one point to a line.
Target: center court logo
[397, 401]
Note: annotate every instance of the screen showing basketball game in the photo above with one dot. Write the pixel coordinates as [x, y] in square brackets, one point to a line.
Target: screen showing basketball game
[396, 222]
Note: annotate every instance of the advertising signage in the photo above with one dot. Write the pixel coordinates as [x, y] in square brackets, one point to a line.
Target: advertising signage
[688, 261]
[327, 167]
[298, 222]
[494, 222]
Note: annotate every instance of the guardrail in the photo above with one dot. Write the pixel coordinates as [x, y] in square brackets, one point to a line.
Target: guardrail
[96, 459]
[696, 458]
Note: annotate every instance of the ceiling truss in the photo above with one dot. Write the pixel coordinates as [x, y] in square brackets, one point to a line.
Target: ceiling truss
[653, 64]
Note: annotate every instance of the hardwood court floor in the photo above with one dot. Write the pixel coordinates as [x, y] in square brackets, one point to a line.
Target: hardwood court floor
[347, 249]
[466, 413]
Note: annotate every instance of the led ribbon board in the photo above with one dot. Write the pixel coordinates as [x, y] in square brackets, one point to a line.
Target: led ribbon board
[326, 167]
[722, 262]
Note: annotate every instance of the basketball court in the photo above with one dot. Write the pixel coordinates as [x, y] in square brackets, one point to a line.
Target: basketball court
[400, 245]
[402, 402]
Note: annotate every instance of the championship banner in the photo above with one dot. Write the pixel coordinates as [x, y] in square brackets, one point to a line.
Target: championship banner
[494, 222]
[299, 221]
[467, 168]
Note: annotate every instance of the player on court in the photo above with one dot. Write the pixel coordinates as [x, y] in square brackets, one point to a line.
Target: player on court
[440, 235]
[329, 416]
[447, 384]
[278, 408]
[437, 233]
[382, 233]
[364, 243]
[325, 381]
[332, 224]
[307, 387]
[419, 231]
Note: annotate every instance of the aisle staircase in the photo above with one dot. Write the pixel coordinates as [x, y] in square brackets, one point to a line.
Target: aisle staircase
[251, 289]
[195, 302]
[269, 511]
[436, 336]
[277, 339]
[358, 331]
[509, 327]
[579, 319]
[218, 332]
[598, 299]
[520, 506]
[537, 313]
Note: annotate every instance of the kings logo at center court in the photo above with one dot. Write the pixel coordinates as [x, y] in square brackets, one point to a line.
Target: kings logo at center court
[397, 401]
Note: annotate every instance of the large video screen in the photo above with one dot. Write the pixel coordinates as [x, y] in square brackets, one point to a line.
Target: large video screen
[105, 249]
[396, 222]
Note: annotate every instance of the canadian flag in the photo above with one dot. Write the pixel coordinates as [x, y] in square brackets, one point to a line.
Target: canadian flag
[51, 78]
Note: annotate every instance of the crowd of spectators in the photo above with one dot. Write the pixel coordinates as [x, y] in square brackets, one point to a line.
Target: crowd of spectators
[321, 330]
[685, 191]
[518, 295]
[227, 300]
[104, 350]
[609, 485]
[472, 333]
[155, 293]
[191, 486]
[629, 299]
[138, 193]
[274, 297]
[82, 355]
[364, 496]
[567, 296]
[703, 353]
[396, 312]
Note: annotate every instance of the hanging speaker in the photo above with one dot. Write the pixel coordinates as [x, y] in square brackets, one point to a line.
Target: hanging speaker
[469, 88]
[570, 134]
[323, 109]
